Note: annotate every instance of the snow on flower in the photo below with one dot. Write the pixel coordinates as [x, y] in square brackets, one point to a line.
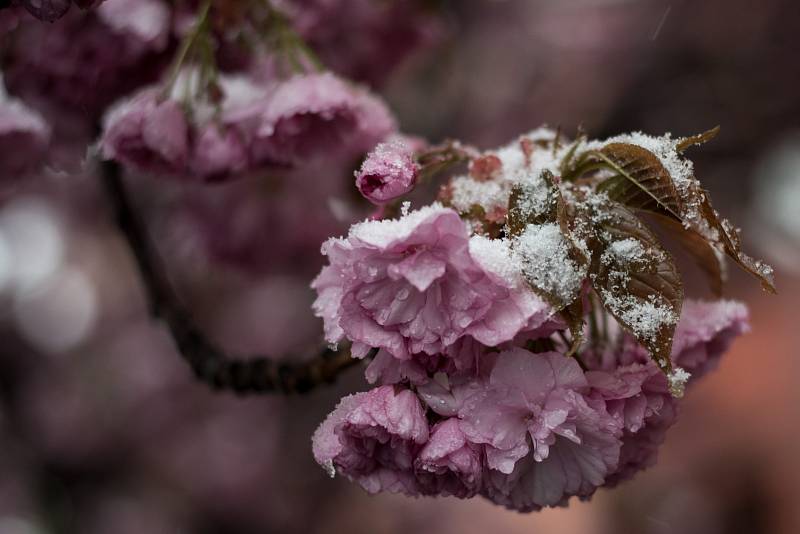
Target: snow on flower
[411, 285]
[373, 438]
[147, 133]
[388, 172]
[255, 127]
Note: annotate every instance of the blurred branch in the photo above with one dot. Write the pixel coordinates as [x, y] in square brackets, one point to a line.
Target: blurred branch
[210, 364]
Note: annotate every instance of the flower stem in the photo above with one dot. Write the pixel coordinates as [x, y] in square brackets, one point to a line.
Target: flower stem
[189, 40]
[289, 42]
[211, 365]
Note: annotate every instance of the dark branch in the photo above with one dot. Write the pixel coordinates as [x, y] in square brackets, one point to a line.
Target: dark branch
[210, 364]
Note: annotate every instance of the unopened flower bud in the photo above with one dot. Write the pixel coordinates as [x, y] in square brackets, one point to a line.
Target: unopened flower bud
[389, 171]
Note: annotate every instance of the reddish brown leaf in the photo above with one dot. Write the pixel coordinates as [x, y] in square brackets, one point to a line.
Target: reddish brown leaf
[698, 139]
[642, 181]
[731, 241]
[636, 280]
[701, 250]
[525, 205]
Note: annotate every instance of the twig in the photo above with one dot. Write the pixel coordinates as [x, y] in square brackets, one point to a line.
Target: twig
[210, 364]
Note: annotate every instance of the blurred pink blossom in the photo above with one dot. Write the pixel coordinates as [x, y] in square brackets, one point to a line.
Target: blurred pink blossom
[315, 115]
[72, 64]
[24, 138]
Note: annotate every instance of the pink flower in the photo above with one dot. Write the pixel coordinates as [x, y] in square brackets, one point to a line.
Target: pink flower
[318, 115]
[638, 396]
[46, 10]
[411, 286]
[147, 133]
[534, 402]
[389, 171]
[637, 393]
[52, 10]
[363, 39]
[153, 132]
[218, 153]
[24, 138]
[449, 464]
[72, 63]
[546, 438]
[372, 438]
[447, 394]
[261, 224]
[705, 332]
[640, 449]
[386, 369]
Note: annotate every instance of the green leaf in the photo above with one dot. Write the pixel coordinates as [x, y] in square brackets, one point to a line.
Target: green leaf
[636, 279]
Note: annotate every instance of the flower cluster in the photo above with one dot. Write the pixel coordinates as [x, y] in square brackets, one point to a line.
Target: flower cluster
[524, 429]
[472, 314]
[253, 128]
[69, 64]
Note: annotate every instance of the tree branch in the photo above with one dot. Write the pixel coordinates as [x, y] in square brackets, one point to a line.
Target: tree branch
[210, 364]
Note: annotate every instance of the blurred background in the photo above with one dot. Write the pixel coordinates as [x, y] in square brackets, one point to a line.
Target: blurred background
[103, 430]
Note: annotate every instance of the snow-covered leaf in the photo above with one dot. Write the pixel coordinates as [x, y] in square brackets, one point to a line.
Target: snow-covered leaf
[636, 279]
[731, 241]
[532, 202]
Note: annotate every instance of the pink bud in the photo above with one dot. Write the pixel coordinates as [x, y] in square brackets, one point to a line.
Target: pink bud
[388, 172]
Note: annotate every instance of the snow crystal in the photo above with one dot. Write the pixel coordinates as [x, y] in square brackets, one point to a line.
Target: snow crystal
[678, 378]
[467, 192]
[543, 256]
[383, 233]
[627, 250]
[516, 168]
[644, 317]
[496, 257]
[537, 199]
[329, 468]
